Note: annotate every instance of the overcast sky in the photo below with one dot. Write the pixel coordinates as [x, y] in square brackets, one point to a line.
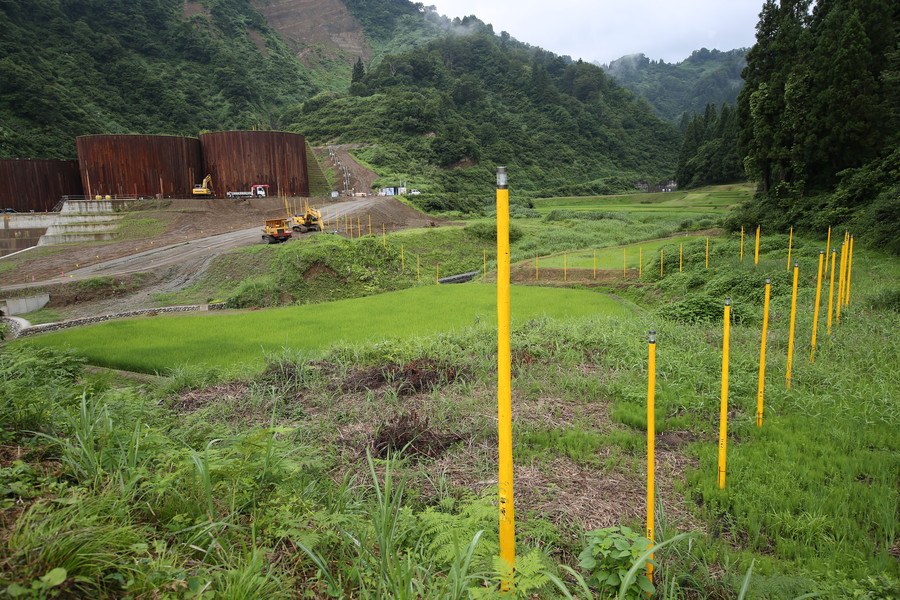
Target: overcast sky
[602, 31]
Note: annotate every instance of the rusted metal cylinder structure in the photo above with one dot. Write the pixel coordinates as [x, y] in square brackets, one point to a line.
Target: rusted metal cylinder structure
[37, 185]
[139, 165]
[239, 159]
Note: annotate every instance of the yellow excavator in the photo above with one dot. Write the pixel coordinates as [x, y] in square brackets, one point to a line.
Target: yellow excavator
[204, 188]
[309, 220]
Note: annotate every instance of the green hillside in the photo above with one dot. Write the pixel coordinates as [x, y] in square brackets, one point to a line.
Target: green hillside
[706, 76]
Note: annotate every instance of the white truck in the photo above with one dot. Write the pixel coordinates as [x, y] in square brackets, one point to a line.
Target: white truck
[256, 191]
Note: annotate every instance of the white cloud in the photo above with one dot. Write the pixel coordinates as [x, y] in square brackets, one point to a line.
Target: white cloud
[603, 31]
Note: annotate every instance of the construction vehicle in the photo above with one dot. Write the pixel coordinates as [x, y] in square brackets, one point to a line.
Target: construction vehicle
[309, 220]
[256, 191]
[204, 188]
[276, 231]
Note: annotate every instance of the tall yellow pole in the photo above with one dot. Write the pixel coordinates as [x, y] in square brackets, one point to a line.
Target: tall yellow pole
[849, 272]
[756, 252]
[761, 384]
[504, 381]
[707, 252]
[742, 243]
[418, 269]
[358, 228]
[831, 291]
[595, 263]
[662, 262]
[565, 266]
[790, 353]
[370, 224]
[828, 248]
[640, 262]
[536, 267]
[437, 274]
[651, 443]
[812, 348]
[484, 268]
[840, 294]
[402, 258]
[681, 258]
[623, 262]
[383, 236]
[723, 405]
[790, 247]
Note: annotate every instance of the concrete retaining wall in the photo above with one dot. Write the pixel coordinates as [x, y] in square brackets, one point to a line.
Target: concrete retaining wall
[18, 306]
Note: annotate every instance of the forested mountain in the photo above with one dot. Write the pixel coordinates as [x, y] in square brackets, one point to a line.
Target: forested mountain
[706, 77]
[709, 150]
[440, 94]
[820, 119]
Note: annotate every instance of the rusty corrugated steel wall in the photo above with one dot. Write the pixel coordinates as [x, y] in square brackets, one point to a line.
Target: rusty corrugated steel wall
[37, 185]
[239, 159]
[139, 165]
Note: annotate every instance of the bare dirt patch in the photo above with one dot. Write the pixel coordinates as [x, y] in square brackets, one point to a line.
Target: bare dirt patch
[410, 434]
[417, 376]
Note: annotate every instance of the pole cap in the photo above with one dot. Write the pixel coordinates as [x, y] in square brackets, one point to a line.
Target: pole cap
[768, 281]
[652, 336]
[728, 301]
[501, 178]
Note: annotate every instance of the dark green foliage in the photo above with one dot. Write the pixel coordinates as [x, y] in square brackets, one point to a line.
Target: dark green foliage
[487, 230]
[465, 104]
[685, 88]
[695, 309]
[709, 152]
[72, 69]
[819, 116]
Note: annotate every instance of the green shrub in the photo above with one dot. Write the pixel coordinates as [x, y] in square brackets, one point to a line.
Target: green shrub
[886, 299]
[696, 309]
[258, 292]
[487, 230]
[609, 555]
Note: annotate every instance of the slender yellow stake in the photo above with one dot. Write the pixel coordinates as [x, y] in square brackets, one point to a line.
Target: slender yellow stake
[504, 383]
[831, 291]
[484, 268]
[662, 262]
[437, 270]
[828, 248]
[790, 247]
[840, 294]
[418, 269]
[707, 252]
[723, 407]
[595, 263]
[402, 258]
[790, 354]
[640, 262]
[742, 243]
[358, 228]
[756, 252]
[812, 347]
[383, 236]
[536, 259]
[849, 272]
[565, 267]
[651, 448]
[370, 224]
[761, 385]
[680, 258]
[623, 262]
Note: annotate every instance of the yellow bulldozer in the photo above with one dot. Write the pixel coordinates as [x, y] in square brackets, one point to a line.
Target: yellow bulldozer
[204, 188]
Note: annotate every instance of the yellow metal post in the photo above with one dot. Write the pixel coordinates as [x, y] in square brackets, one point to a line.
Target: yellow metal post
[536, 267]
[790, 247]
[383, 236]
[437, 273]
[504, 380]
[849, 272]
[358, 228]
[723, 405]
[623, 262]
[565, 266]
[662, 263]
[828, 248]
[484, 267]
[761, 384]
[790, 353]
[418, 269]
[681, 258]
[707, 252]
[595, 263]
[840, 294]
[742, 243]
[831, 292]
[402, 258]
[651, 443]
[640, 262]
[815, 327]
[370, 224]
[756, 252]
